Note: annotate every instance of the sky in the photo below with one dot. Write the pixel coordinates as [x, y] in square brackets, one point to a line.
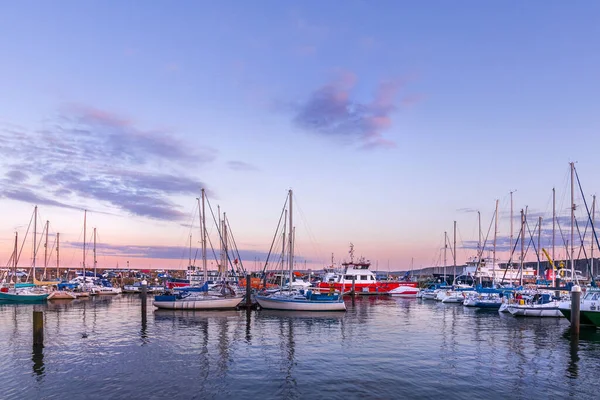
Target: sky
[389, 120]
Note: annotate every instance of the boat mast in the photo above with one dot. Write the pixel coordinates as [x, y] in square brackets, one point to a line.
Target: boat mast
[95, 262]
[522, 244]
[593, 228]
[203, 225]
[553, 234]
[539, 249]
[572, 221]
[225, 249]
[283, 245]
[445, 251]
[479, 249]
[34, 238]
[291, 244]
[510, 250]
[57, 255]
[454, 253]
[84, 234]
[46, 249]
[190, 255]
[15, 257]
[494, 253]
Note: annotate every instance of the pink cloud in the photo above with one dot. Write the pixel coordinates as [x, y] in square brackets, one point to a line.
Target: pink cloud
[330, 110]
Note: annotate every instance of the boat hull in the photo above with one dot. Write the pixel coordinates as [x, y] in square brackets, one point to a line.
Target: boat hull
[588, 318]
[533, 311]
[367, 288]
[23, 298]
[404, 291]
[197, 304]
[299, 305]
[61, 295]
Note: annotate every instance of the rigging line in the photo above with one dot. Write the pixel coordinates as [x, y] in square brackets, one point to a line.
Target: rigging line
[25, 238]
[486, 237]
[239, 257]
[589, 216]
[39, 244]
[562, 235]
[275, 235]
[582, 247]
[531, 241]
[509, 264]
[313, 238]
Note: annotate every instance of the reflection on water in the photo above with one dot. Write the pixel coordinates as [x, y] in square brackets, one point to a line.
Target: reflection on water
[37, 356]
[381, 347]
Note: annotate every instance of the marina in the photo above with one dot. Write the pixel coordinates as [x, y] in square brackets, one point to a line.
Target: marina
[385, 347]
[299, 200]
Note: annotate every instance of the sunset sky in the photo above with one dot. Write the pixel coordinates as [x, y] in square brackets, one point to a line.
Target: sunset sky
[388, 119]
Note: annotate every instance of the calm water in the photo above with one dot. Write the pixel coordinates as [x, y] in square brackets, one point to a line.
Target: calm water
[381, 348]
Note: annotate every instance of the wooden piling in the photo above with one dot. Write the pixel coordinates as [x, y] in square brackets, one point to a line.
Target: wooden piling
[38, 328]
[575, 308]
[353, 291]
[248, 290]
[143, 297]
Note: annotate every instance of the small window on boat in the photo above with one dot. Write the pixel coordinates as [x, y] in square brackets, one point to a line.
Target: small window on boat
[372, 278]
[364, 277]
[348, 277]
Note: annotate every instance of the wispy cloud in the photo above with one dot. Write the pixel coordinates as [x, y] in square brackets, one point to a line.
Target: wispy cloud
[331, 111]
[92, 154]
[156, 252]
[241, 166]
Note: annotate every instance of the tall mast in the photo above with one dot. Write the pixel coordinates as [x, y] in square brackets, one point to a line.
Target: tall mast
[572, 221]
[225, 249]
[95, 262]
[522, 244]
[15, 258]
[494, 253]
[57, 255]
[190, 255]
[220, 230]
[593, 229]
[454, 253]
[479, 250]
[291, 243]
[46, 249]
[283, 244]
[539, 249]
[511, 229]
[445, 251]
[34, 238]
[553, 224]
[203, 227]
[84, 238]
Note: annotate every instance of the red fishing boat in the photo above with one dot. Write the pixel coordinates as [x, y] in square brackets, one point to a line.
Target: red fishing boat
[365, 281]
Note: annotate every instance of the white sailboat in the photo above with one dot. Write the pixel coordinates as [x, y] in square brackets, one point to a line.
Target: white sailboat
[300, 300]
[220, 297]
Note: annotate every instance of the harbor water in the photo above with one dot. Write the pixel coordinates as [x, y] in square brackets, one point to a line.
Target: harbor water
[381, 348]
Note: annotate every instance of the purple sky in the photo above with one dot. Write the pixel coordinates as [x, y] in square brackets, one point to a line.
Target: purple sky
[388, 121]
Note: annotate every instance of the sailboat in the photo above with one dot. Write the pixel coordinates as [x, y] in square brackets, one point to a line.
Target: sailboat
[60, 294]
[103, 286]
[221, 296]
[13, 294]
[35, 281]
[300, 300]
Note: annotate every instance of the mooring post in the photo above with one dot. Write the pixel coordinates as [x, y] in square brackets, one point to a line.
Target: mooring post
[248, 291]
[38, 328]
[143, 296]
[353, 292]
[575, 306]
